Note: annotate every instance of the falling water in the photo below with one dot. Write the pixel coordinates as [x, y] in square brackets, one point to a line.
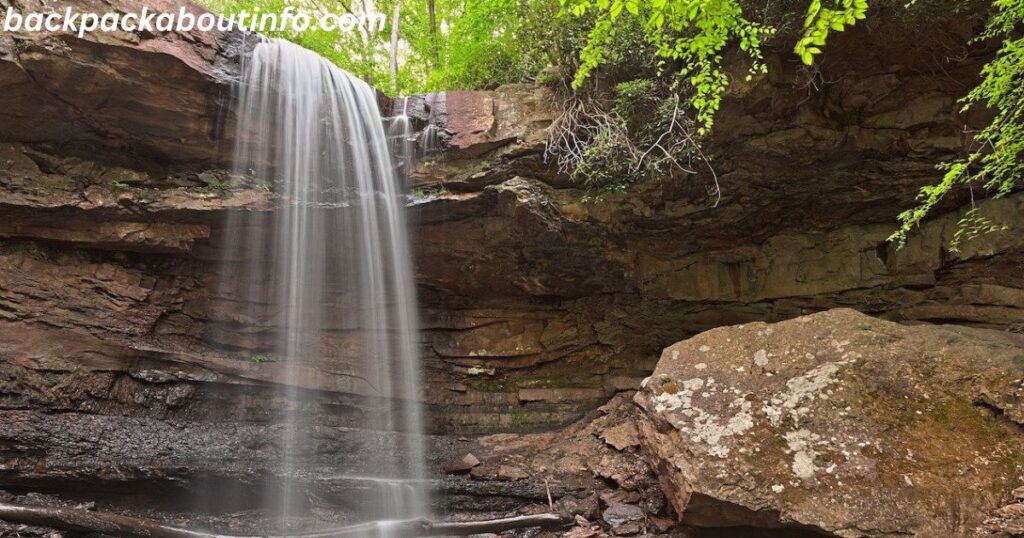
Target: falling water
[430, 140]
[327, 279]
[400, 139]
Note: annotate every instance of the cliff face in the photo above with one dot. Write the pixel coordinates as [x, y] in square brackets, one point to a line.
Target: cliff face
[538, 304]
[569, 299]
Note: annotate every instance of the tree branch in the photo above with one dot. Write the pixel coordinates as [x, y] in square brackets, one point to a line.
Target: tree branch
[70, 519]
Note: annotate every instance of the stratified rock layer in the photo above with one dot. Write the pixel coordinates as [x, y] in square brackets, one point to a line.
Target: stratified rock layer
[840, 422]
[539, 303]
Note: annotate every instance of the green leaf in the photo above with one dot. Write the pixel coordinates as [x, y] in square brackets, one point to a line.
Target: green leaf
[616, 9]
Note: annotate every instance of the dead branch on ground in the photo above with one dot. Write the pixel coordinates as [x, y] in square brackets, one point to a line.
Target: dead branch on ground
[71, 519]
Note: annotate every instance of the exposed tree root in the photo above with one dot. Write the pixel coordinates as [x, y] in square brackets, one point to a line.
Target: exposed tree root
[70, 519]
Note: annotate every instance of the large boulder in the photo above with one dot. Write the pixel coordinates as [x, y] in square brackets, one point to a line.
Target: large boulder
[838, 422]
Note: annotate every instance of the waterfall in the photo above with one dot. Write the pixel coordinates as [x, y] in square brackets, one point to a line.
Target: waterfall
[327, 279]
[430, 140]
[400, 142]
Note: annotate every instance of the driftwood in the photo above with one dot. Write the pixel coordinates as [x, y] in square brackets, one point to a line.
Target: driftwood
[70, 519]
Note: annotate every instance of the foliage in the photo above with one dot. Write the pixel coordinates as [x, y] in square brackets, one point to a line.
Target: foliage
[492, 42]
[996, 164]
[692, 34]
[823, 19]
[605, 164]
[358, 52]
[220, 188]
[479, 43]
[651, 131]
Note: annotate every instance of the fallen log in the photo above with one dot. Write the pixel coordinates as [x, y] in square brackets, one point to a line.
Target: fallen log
[71, 519]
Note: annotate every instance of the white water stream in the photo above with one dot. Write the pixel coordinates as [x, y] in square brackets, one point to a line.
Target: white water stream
[331, 267]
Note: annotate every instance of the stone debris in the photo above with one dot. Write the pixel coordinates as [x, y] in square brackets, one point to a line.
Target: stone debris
[622, 436]
[463, 465]
[510, 472]
[624, 519]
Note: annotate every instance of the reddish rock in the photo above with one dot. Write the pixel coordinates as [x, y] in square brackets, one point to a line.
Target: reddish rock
[160, 100]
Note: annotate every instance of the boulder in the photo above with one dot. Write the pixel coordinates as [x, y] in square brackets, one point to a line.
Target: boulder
[463, 464]
[838, 422]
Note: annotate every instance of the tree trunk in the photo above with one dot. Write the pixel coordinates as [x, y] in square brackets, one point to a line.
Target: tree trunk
[70, 519]
[433, 30]
[394, 47]
[369, 38]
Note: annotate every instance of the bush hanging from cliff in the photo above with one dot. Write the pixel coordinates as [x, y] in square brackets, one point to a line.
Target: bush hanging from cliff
[643, 135]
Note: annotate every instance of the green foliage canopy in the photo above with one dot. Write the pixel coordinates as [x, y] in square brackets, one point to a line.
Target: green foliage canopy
[692, 34]
[478, 43]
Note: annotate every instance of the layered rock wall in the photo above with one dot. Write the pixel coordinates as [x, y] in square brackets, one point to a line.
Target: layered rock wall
[540, 302]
